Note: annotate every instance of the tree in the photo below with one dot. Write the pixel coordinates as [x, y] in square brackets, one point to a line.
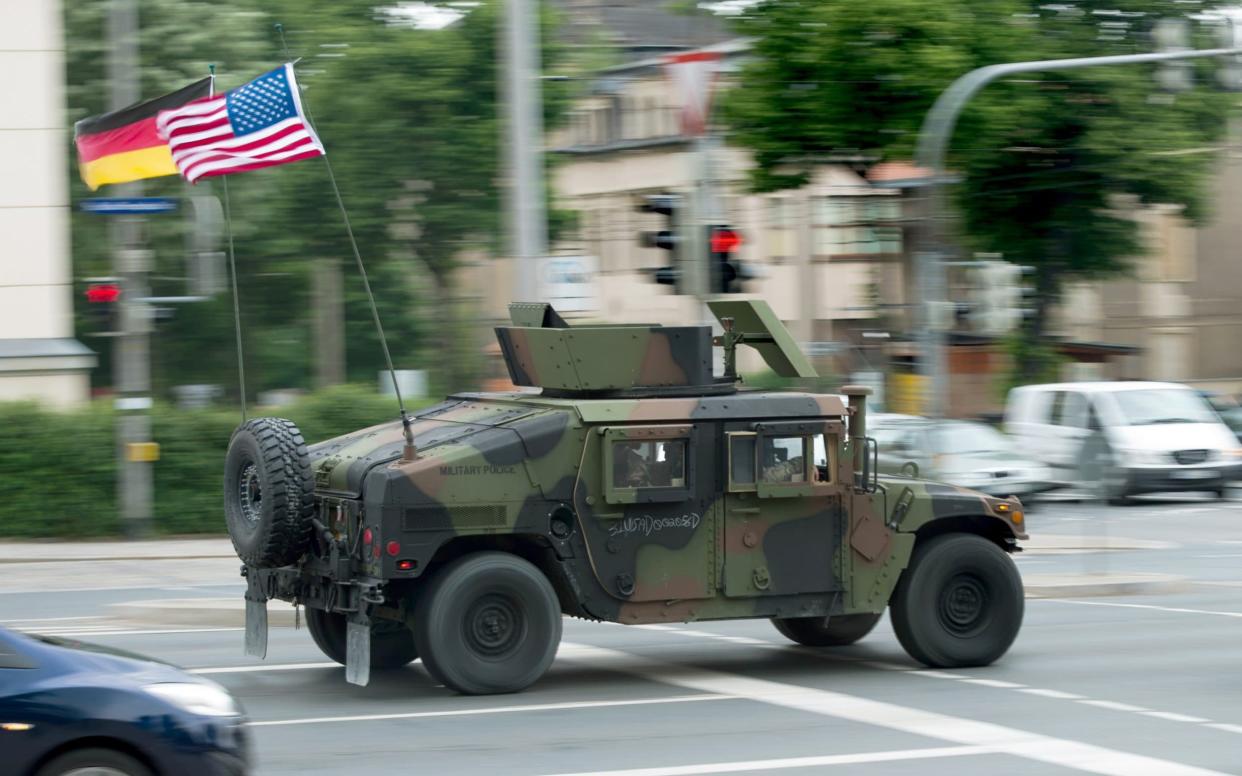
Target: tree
[1042, 158]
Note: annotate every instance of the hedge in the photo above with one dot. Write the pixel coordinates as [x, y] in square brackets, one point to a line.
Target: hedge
[59, 468]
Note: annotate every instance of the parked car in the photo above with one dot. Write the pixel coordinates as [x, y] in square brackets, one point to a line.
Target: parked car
[958, 452]
[1125, 438]
[73, 708]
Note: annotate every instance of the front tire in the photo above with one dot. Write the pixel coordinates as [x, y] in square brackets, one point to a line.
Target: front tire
[392, 643]
[488, 623]
[839, 631]
[95, 760]
[960, 602]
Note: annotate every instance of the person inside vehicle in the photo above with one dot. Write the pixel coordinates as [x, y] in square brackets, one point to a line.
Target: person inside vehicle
[630, 469]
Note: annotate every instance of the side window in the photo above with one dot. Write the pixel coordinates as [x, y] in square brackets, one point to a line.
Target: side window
[824, 457]
[1073, 411]
[783, 459]
[1055, 408]
[742, 461]
[650, 464]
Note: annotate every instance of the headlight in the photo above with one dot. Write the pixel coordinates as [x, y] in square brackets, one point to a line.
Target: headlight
[209, 700]
[1233, 453]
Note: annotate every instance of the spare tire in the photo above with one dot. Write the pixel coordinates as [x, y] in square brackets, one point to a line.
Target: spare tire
[268, 492]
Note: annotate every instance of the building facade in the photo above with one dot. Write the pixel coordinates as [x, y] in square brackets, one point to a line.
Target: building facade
[39, 358]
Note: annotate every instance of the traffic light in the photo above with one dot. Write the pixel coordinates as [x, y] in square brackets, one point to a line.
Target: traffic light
[1172, 34]
[727, 273]
[668, 239]
[1001, 297]
[103, 298]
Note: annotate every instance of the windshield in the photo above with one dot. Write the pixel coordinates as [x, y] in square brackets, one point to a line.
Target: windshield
[962, 438]
[1163, 405]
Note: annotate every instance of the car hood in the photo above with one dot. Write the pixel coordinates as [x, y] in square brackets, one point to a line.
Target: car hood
[83, 657]
[1166, 437]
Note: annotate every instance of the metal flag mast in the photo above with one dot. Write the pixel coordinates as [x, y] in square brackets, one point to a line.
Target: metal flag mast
[228, 227]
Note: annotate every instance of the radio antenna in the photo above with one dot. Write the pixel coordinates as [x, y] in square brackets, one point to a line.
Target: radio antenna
[409, 453]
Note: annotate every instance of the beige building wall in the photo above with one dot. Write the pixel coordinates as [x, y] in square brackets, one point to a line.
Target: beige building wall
[38, 357]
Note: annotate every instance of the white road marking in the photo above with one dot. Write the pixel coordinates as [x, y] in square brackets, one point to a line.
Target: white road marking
[883, 666]
[1064, 696]
[1225, 727]
[262, 668]
[941, 675]
[1114, 705]
[995, 683]
[1175, 609]
[532, 707]
[1172, 717]
[50, 619]
[793, 762]
[1221, 555]
[958, 730]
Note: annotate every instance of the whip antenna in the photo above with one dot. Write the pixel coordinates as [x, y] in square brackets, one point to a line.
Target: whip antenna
[409, 453]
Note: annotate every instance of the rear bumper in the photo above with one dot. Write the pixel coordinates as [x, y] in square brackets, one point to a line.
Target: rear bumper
[1181, 478]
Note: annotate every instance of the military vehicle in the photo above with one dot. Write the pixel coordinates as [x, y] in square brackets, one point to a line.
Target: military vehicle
[635, 486]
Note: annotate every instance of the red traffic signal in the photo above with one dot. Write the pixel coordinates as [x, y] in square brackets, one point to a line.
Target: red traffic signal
[725, 240]
[103, 293]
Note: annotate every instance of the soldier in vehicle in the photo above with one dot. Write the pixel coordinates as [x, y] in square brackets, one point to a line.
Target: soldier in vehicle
[631, 469]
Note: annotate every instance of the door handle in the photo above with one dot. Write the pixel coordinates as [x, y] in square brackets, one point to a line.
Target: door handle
[745, 510]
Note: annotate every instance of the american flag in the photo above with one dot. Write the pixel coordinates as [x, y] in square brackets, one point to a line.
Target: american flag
[257, 125]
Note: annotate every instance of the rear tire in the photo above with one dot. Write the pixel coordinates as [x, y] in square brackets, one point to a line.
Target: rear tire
[108, 761]
[488, 623]
[960, 602]
[839, 631]
[392, 643]
[268, 492]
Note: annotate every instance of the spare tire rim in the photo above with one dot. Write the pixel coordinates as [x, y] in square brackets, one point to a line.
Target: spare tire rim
[495, 625]
[963, 605]
[250, 493]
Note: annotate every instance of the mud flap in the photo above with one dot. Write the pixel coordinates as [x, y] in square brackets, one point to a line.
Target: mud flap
[256, 626]
[358, 650]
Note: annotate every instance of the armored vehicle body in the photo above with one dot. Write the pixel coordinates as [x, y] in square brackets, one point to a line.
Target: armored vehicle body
[634, 486]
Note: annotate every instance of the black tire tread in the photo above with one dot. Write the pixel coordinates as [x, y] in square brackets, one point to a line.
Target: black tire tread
[292, 484]
[387, 651]
[839, 631]
[80, 758]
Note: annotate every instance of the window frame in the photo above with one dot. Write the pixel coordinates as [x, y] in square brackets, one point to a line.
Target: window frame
[614, 494]
[811, 486]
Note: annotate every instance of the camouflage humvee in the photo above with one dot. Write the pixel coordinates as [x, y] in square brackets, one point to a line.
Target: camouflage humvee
[634, 487]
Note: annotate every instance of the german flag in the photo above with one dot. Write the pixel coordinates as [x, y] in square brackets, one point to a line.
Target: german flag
[123, 145]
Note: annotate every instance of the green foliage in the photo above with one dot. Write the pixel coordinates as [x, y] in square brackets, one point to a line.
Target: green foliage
[412, 125]
[1030, 361]
[66, 461]
[1041, 157]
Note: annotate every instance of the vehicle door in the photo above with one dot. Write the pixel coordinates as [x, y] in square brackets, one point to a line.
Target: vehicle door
[1071, 417]
[783, 516]
[648, 512]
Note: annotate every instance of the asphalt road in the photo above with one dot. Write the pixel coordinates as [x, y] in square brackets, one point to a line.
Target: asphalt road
[1121, 685]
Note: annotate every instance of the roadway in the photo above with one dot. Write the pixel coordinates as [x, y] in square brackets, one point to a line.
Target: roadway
[1115, 685]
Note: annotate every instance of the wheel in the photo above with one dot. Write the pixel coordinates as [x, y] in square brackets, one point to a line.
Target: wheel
[488, 623]
[268, 492]
[839, 631]
[1222, 494]
[392, 643]
[94, 762]
[1114, 487]
[959, 603]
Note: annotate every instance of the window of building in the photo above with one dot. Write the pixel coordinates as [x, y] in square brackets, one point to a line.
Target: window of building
[851, 226]
[781, 234]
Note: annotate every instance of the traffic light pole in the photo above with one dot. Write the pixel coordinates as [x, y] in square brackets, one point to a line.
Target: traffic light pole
[930, 155]
[131, 263]
[527, 217]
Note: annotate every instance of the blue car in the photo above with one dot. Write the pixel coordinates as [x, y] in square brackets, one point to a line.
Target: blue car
[68, 707]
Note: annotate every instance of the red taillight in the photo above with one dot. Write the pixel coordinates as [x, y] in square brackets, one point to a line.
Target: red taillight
[393, 548]
[375, 552]
[405, 564]
[367, 536]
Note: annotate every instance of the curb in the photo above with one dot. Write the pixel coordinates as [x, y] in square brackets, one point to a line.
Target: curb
[1099, 585]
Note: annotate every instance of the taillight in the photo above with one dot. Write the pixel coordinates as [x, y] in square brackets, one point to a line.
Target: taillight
[405, 564]
[393, 548]
[367, 537]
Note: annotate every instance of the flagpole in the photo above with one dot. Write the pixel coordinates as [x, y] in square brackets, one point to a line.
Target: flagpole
[228, 229]
[409, 451]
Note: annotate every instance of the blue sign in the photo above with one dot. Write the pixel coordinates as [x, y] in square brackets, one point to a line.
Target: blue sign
[127, 206]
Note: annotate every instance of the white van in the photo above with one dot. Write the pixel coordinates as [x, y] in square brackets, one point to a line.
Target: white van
[1133, 437]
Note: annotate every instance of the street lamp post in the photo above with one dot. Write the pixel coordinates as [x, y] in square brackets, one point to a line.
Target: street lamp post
[930, 155]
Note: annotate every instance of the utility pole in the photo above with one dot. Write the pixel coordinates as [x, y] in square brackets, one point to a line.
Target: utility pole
[932, 244]
[131, 265]
[528, 222]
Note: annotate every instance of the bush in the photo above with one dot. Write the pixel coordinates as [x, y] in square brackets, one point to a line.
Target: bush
[60, 468]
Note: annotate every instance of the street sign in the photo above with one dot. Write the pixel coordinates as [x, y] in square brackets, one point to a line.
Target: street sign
[127, 206]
